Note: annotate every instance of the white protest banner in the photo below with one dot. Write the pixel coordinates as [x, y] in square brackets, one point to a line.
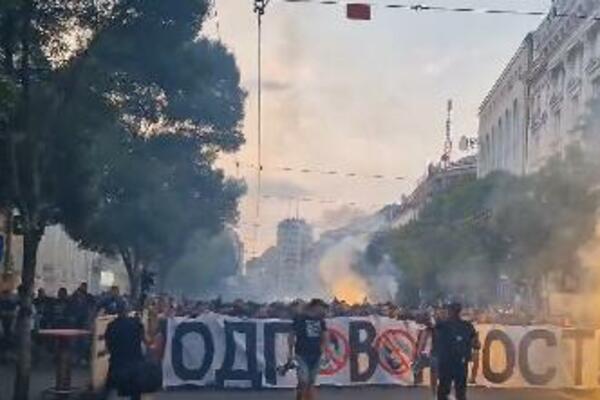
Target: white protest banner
[214, 350]
[538, 356]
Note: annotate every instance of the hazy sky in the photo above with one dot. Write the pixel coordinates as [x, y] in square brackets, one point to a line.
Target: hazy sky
[354, 96]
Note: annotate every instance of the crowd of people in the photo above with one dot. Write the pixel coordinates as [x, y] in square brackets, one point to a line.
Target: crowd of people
[79, 309]
[76, 310]
[504, 315]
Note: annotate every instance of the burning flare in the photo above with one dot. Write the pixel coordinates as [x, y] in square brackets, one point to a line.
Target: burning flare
[350, 289]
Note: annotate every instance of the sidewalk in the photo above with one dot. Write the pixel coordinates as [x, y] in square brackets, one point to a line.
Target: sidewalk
[42, 377]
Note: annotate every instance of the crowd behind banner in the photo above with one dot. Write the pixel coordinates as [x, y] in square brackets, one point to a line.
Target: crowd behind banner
[76, 310]
[228, 352]
[510, 328]
[505, 315]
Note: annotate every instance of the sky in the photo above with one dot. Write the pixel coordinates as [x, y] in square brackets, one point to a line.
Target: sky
[365, 97]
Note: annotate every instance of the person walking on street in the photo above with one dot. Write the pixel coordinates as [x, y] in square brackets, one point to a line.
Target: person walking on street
[455, 339]
[306, 343]
[124, 337]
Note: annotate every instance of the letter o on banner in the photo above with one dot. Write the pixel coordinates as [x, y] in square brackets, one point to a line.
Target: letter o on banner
[501, 337]
[179, 368]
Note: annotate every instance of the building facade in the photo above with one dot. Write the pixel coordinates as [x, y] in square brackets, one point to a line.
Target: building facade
[294, 241]
[437, 180]
[534, 109]
[503, 117]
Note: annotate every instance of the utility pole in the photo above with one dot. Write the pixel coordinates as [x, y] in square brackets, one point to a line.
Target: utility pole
[259, 9]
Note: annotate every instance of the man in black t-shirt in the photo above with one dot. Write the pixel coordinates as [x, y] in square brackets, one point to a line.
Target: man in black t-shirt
[124, 337]
[306, 343]
[454, 342]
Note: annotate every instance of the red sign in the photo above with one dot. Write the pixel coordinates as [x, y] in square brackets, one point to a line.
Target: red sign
[336, 353]
[396, 349]
[358, 11]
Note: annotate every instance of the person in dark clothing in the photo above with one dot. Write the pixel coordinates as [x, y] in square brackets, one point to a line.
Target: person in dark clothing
[112, 303]
[81, 311]
[454, 342]
[306, 343]
[8, 312]
[59, 309]
[42, 308]
[124, 337]
[86, 298]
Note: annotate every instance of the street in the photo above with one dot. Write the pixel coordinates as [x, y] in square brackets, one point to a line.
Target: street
[379, 394]
[43, 378]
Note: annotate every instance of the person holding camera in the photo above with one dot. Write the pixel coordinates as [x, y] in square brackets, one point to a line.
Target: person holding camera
[306, 343]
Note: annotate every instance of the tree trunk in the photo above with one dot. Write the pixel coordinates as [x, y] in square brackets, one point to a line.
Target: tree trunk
[135, 285]
[134, 274]
[31, 241]
[163, 272]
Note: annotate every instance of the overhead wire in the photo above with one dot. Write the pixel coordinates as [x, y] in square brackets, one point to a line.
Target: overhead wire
[320, 171]
[419, 7]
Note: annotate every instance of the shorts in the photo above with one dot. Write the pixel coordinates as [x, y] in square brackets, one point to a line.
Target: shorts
[425, 361]
[307, 371]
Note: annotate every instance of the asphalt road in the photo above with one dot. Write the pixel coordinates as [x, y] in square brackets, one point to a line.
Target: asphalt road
[43, 376]
[378, 394]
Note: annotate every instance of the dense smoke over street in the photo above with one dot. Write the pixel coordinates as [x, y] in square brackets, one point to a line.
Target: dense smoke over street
[299, 198]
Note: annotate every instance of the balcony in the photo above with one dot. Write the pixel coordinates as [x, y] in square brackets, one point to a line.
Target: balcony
[556, 101]
[538, 120]
[593, 66]
[574, 87]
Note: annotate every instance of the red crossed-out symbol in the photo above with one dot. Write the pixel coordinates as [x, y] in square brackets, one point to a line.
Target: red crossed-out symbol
[336, 353]
[396, 349]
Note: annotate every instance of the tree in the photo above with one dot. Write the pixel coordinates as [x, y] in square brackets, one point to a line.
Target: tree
[41, 128]
[203, 265]
[528, 227]
[155, 193]
[83, 75]
[179, 104]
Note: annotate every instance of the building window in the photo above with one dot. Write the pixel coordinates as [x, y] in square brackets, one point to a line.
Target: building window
[596, 88]
[558, 79]
[593, 41]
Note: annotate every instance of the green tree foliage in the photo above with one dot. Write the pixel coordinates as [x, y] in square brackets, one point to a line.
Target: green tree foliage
[178, 100]
[202, 266]
[102, 97]
[526, 227]
[41, 128]
[156, 192]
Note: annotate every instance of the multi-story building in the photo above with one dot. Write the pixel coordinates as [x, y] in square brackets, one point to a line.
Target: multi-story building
[437, 180]
[503, 117]
[60, 263]
[533, 110]
[294, 240]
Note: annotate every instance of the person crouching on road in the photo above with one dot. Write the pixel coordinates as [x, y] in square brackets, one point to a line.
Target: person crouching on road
[306, 343]
[454, 341]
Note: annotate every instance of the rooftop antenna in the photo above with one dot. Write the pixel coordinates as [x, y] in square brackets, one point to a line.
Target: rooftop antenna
[447, 155]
